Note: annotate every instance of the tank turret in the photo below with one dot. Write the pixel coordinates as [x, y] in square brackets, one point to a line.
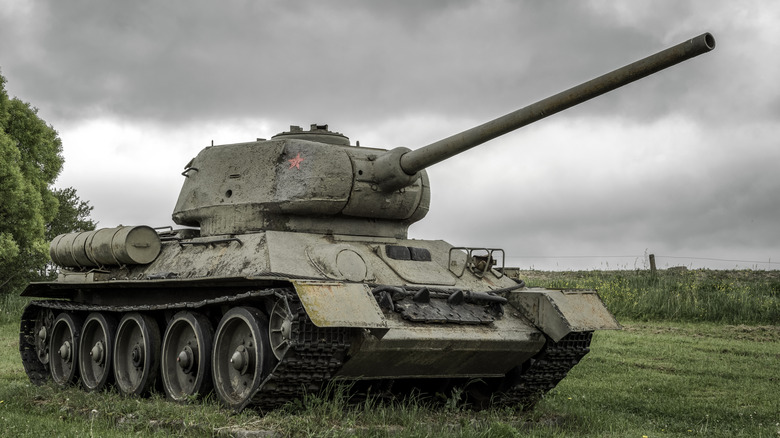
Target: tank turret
[314, 181]
[306, 181]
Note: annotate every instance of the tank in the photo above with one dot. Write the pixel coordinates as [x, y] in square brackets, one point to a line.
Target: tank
[293, 268]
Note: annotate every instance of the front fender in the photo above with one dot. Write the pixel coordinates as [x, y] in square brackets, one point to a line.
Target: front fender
[560, 312]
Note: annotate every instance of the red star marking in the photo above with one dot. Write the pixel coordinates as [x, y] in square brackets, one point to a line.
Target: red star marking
[296, 162]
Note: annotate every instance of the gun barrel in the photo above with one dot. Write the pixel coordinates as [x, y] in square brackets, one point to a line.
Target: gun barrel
[416, 160]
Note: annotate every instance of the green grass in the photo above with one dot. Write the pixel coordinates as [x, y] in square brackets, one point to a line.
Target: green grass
[732, 297]
[650, 379]
[660, 379]
[11, 307]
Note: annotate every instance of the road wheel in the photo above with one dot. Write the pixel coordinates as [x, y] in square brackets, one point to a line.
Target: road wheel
[186, 356]
[242, 356]
[64, 348]
[43, 325]
[95, 351]
[137, 354]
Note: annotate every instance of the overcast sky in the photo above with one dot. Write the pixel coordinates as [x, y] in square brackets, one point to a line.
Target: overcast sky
[682, 164]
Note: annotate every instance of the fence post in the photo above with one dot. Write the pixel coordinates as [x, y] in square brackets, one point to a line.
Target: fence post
[652, 263]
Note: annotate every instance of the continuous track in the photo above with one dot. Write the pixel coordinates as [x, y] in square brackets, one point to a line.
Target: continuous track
[316, 354]
[545, 370]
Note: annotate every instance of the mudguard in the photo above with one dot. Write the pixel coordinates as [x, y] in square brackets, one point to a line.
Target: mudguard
[560, 312]
[336, 304]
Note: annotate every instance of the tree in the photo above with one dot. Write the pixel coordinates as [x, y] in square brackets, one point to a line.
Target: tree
[30, 160]
[72, 216]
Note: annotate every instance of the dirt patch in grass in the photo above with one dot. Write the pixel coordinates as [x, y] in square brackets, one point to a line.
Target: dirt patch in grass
[760, 333]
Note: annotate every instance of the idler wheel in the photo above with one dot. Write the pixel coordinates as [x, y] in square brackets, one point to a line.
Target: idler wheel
[136, 358]
[242, 356]
[186, 356]
[280, 328]
[63, 348]
[96, 350]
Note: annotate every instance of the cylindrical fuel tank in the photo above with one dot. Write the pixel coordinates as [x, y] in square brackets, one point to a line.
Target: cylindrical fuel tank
[125, 245]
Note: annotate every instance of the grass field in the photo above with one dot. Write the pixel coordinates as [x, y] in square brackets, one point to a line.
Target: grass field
[665, 377]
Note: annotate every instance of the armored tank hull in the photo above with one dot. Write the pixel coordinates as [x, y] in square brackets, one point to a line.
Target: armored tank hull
[267, 316]
[295, 269]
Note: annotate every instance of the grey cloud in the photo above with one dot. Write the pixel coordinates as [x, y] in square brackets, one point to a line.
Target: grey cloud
[179, 61]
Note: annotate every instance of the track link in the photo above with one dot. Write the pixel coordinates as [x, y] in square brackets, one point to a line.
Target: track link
[315, 355]
[36, 370]
[545, 370]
